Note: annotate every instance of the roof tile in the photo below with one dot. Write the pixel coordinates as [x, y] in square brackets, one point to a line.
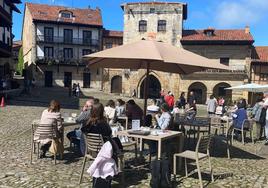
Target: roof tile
[219, 35]
[260, 53]
[112, 33]
[42, 12]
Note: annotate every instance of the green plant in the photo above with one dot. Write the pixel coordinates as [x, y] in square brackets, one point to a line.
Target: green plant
[20, 64]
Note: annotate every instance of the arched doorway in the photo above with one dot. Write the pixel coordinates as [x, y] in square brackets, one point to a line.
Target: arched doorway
[116, 84]
[220, 91]
[200, 92]
[154, 88]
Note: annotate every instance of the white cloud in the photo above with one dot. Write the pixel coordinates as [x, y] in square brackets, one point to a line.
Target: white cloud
[240, 12]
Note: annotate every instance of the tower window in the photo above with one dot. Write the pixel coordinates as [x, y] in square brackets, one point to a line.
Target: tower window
[142, 26]
[152, 10]
[161, 26]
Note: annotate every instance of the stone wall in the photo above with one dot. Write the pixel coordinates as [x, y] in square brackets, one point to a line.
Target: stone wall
[58, 75]
[172, 13]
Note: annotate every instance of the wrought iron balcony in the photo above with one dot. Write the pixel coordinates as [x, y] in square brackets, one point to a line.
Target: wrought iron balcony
[70, 41]
[223, 71]
[59, 61]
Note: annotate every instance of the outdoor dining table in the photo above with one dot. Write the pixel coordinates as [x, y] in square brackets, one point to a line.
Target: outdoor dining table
[165, 135]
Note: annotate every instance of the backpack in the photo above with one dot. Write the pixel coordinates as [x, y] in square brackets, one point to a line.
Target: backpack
[161, 174]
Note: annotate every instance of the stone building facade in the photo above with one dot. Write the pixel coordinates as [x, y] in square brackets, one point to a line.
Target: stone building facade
[163, 21]
[7, 65]
[55, 38]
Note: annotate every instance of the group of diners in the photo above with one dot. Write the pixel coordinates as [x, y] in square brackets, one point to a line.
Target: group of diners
[97, 118]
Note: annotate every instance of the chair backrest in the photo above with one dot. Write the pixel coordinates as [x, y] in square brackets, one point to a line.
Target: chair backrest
[248, 124]
[94, 142]
[44, 131]
[203, 144]
[216, 121]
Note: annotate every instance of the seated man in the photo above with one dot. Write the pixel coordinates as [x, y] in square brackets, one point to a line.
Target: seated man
[75, 135]
[238, 118]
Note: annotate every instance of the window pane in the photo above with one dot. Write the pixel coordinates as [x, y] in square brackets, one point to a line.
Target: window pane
[142, 26]
[161, 26]
[68, 35]
[224, 61]
[48, 34]
[87, 35]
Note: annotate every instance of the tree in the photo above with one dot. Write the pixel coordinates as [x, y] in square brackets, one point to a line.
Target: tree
[20, 63]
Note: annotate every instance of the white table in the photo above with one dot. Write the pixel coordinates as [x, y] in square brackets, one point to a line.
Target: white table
[159, 138]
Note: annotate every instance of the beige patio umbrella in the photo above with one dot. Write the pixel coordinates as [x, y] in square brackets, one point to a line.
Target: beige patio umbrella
[149, 54]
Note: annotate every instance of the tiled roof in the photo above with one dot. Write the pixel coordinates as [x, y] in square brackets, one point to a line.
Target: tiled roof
[17, 44]
[152, 2]
[260, 54]
[219, 35]
[48, 13]
[111, 33]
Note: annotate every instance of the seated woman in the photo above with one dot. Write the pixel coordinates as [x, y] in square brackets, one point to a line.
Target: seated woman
[43, 133]
[239, 116]
[191, 112]
[164, 121]
[120, 108]
[110, 112]
[97, 123]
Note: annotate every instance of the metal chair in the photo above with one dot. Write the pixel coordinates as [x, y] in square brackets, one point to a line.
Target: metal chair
[215, 124]
[247, 126]
[94, 142]
[201, 152]
[41, 130]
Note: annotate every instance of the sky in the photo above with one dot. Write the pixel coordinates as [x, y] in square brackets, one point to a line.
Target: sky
[219, 14]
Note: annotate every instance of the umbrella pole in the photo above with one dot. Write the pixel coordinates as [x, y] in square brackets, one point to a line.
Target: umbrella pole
[146, 88]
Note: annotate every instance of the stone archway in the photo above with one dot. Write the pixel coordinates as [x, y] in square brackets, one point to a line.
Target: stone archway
[200, 92]
[220, 91]
[116, 84]
[154, 87]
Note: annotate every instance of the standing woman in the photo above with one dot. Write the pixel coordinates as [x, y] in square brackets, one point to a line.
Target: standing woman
[182, 100]
[50, 116]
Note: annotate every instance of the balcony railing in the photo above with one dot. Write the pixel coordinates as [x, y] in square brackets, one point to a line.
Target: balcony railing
[222, 71]
[59, 61]
[72, 41]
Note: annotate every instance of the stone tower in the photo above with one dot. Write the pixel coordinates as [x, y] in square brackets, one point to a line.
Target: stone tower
[161, 21]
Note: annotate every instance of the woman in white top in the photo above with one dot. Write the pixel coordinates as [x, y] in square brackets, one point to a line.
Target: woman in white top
[109, 111]
[120, 108]
[50, 126]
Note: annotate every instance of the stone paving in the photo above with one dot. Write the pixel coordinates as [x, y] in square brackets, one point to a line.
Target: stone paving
[245, 169]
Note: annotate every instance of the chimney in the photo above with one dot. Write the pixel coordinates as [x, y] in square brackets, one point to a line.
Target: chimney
[247, 29]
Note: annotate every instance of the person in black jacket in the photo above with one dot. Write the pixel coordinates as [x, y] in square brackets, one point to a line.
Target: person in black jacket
[97, 123]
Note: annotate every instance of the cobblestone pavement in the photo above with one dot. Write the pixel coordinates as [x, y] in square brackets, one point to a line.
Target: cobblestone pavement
[245, 169]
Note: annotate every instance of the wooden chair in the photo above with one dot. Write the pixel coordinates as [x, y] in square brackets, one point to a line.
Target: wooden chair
[247, 126]
[46, 130]
[201, 152]
[94, 142]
